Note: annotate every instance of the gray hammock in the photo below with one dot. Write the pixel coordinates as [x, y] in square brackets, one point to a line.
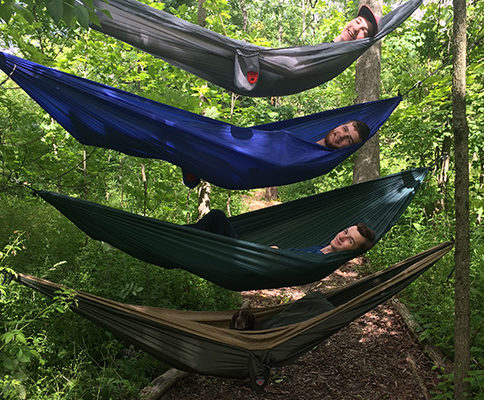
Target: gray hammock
[202, 342]
[235, 65]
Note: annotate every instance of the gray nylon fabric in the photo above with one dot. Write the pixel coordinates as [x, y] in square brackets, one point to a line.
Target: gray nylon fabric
[226, 61]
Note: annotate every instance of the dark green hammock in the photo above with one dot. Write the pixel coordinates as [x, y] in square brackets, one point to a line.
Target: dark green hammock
[248, 262]
[201, 341]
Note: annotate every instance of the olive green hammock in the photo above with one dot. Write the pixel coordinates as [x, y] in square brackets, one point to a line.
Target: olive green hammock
[202, 342]
[248, 262]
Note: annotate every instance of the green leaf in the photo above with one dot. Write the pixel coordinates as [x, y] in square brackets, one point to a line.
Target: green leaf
[23, 356]
[82, 15]
[7, 337]
[19, 336]
[6, 11]
[55, 9]
[68, 14]
[26, 14]
[10, 364]
[88, 3]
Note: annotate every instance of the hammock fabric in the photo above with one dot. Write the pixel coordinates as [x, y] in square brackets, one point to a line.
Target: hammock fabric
[248, 262]
[233, 64]
[223, 154]
[201, 341]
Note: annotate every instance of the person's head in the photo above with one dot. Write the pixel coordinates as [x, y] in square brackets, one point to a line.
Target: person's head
[364, 25]
[357, 237]
[346, 134]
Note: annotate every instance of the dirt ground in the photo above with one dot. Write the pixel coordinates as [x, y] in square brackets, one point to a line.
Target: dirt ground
[374, 358]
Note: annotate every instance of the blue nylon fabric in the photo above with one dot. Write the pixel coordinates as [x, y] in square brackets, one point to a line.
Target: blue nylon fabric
[226, 155]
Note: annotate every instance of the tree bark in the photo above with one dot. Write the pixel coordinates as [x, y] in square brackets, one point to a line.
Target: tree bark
[84, 173]
[161, 384]
[202, 13]
[204, 187]
[366, 165]
[443, 163]
[204, 190]
[271, 193]
[303, 27]
[462, 234]
[245, 18]
[145, 188]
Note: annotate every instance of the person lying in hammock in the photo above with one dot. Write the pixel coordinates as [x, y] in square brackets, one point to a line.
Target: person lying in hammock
[346, 134]
[312, 304]
[364, 25]
[356, 237]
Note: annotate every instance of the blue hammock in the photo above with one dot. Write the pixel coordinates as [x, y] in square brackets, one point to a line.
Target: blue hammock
[226, 155]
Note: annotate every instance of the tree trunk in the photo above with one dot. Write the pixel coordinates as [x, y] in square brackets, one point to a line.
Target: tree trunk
[161, 384]
[245, 18]
[303, 27]
[271, 193]
[367, 85]
[202, 13]
[145, 188]
[85, 188]
[443, 161]
[462, 235]
[204, 187]
[204, 190]
[121, 180]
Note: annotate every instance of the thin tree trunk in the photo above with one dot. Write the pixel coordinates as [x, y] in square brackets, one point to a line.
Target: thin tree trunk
[271, 193]
[303, 28]
[202, 13]
[443, 162]
[84, 173]
[462, 235]
[59, 180]
[227, 204]
[245, 18]
[121, 180]
[85, 189]
[145, 188]
[204, 190]
[367, 85]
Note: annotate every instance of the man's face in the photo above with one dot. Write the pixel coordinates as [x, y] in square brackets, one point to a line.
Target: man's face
[357, 28]
[342, 136]
[348, 239]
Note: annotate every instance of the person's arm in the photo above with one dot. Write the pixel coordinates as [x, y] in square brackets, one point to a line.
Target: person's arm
[313, 249]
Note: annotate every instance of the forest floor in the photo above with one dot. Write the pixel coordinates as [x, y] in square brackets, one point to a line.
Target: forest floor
[375, 357]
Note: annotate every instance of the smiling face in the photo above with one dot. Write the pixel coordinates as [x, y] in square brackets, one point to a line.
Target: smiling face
[348, 239]
[357, 28]
[341, 136]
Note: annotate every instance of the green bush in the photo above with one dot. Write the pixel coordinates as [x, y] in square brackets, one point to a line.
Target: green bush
[48, 352]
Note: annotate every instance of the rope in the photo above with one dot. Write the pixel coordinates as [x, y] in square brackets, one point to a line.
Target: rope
[9, 75]
[419, 83]
[75, 166]
[7, 277]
